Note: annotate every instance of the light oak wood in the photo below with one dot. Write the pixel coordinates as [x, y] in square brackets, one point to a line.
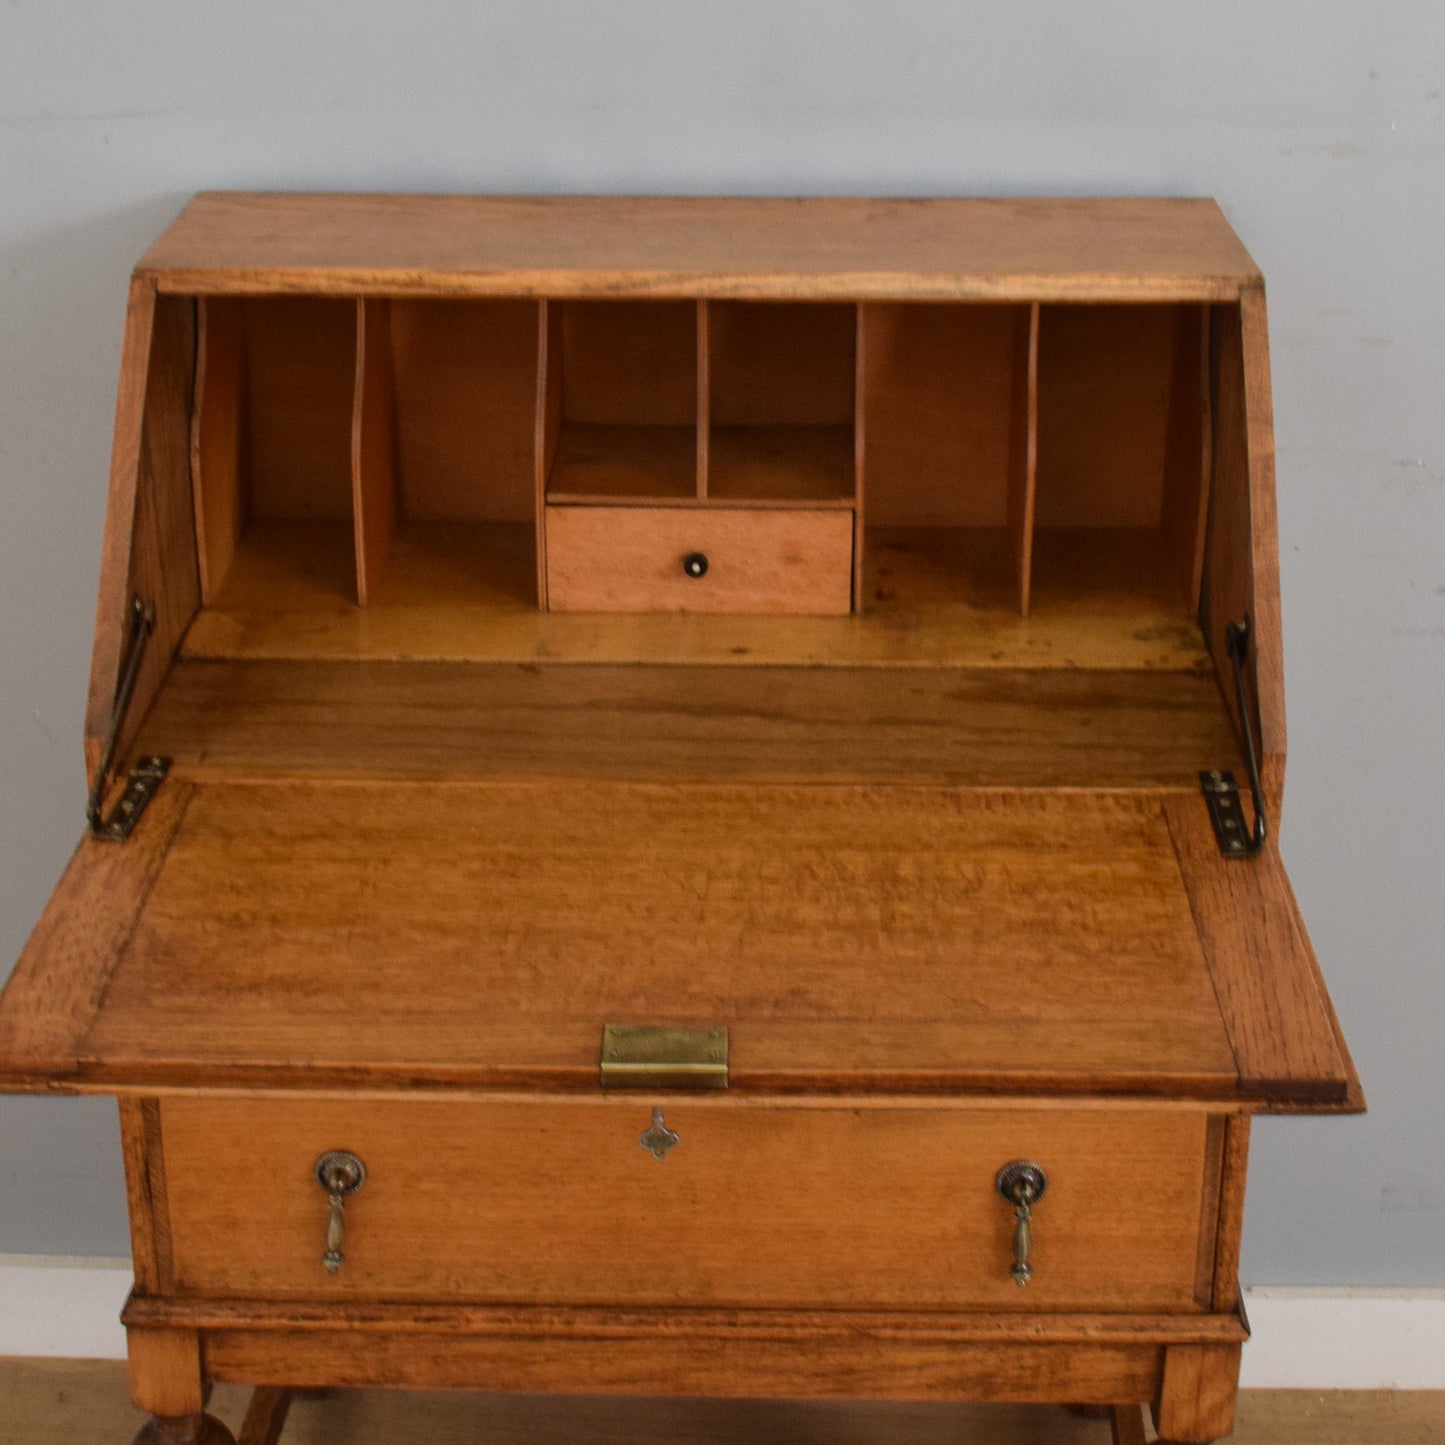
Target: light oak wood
[1023, 465]
[300, 383]
[54, 1402]
[938, 392]
[113, 600]
[219, 464]
[1036, 728]
[1188, 452]
[466, 408]
[603, 559]
[1196, 1400]
[56, 988]
[556, 1202]
[937, 859]
[1044, 940]
[844, 249]
[932, 598]
[375, 499]
[1229, 1233]
[152, 501]
[1283, 1034]
[165, 1371]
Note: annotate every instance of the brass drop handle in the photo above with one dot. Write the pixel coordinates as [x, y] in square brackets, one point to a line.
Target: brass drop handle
[1023, 1185]
[339, 1173]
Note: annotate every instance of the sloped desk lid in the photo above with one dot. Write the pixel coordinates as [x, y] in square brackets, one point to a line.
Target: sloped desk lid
[869, 938]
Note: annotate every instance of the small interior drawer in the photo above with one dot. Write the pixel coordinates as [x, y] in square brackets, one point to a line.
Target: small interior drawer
[634, 559]
[757, 1204]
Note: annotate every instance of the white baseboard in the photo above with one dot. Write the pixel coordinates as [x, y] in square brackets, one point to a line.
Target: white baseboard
[1307, 1339]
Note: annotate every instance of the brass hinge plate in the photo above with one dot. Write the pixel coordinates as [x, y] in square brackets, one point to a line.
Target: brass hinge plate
[1221, 796]
[140, 787]
[651, 1056]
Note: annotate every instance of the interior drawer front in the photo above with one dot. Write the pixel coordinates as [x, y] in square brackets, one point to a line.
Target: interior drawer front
[630, 559]
[556, 1200]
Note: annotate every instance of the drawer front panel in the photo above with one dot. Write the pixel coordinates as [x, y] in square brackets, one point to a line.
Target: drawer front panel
[630, 559]
[554, 1200]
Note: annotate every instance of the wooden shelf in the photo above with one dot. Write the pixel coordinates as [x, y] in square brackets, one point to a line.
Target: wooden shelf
[933, 598]
[624, 464]
[781, 465]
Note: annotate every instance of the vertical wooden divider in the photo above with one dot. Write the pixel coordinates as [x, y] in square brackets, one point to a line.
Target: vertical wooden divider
[860, 445]
[548, 424]
[1187, 452]
[1024, 450]
[704, 398]
[374, 485]
[218, 437]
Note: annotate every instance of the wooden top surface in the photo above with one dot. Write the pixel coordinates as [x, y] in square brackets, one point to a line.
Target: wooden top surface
[561, 246]
[879, 939]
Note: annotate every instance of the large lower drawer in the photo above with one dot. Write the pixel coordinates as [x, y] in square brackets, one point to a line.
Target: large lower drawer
[758, 1204]
[695, 559]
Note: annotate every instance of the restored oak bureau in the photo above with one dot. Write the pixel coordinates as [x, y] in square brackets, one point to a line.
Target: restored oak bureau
[683, 802]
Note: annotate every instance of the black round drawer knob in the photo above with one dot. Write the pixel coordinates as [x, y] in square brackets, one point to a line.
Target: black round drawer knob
[695, 564]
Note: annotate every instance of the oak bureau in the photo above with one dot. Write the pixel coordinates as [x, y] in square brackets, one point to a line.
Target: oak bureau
[683, 802]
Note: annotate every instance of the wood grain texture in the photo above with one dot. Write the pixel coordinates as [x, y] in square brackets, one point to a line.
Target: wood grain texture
[1241, 573]
[1196, 1401]
[774, 562]
[1127, 1424]
[466, 408]
[55, 1402]
[857, 1368]
[115, 565]
[375, 489]
[1038, 728]
[265, 1417]
[1272, 998]
[219, 464]
[1023, 462]
[1103, 405]
[59, 983]
[843, 249]
[555, 1202]
[870, 937]
[937, 397]
[932, 598]
[781, 365]
[145, 1189]
[161, 562]
[165, 1370]
[1230, 1228]
[1187, 452]
[301, 385]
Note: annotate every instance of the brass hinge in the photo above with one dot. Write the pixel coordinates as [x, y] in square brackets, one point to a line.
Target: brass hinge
[143, 780]
[1221, 792]
[647, 1056]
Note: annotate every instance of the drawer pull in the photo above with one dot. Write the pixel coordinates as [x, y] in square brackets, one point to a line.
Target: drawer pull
[339, 1173]
[1023, 1185]
[695, 564]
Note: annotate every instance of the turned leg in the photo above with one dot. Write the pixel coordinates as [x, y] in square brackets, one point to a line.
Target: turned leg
[165, 1382]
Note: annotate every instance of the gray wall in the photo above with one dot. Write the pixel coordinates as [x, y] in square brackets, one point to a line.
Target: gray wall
[1319, 126]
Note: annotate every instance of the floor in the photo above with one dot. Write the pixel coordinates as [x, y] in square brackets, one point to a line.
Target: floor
[64, 1402]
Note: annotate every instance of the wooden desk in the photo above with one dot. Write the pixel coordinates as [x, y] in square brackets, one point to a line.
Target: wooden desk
[801, 635]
